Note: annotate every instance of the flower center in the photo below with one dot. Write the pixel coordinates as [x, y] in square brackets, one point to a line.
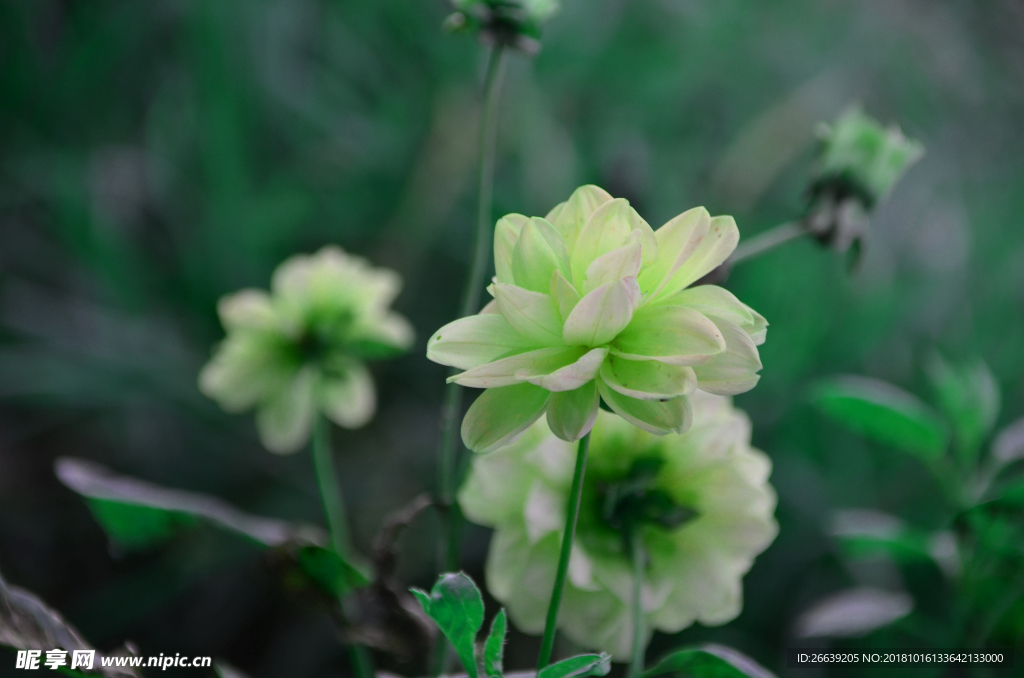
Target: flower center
[633, 501]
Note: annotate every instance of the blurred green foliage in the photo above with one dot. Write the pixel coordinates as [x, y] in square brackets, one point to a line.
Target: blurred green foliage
[156, 156]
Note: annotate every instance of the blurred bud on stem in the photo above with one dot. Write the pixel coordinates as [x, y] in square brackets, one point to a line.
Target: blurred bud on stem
[515, 23]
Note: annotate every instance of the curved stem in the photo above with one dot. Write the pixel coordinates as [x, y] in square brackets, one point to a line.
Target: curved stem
[337, 522]
[768, 240]
[636, 548]
[572, 513]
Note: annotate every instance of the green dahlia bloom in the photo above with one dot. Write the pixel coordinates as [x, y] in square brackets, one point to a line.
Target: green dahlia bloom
[592, 304]
[701, 501]
[298, 350]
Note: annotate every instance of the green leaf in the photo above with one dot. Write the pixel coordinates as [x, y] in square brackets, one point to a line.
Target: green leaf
[969, 396]
[456, 606]
[494, 647]
[137, 514]
[332, 572]
[576, 667]
[883, 413]
[709, 661]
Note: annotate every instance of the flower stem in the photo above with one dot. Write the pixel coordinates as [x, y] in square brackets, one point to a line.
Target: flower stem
[571, 515]
[448, 468]
[636, 663]
[337, 522]
[769, 240]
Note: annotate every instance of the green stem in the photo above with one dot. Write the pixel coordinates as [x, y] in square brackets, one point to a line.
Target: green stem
[636, 548]
[572, 513]
[337, 523]
[768, 240]
[448, 467]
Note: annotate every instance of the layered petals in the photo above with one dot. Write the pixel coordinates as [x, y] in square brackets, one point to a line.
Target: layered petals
[500, 415]
[476, 340]
[671, 334]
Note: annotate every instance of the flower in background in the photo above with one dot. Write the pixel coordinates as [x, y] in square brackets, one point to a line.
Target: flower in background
[511, 22]
[591, 304]
[300, 349]
[701, 502]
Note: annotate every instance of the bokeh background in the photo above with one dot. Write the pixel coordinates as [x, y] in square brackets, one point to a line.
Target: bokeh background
[157, 155]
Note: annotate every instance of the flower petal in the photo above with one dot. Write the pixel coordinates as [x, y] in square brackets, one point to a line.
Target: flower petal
[244, 369]
[714, 249]
[388, 328]
[677, 240]
[648, 379]
[565, 295]
[671, 334]
[607, 229]
[539, 252]
[571, 216]
[733, 370]
[716, 302]
[247, 310]
[655, 416]
[530, 366]
[475, 340]
[602, 314]
[350, 400]
[285, 418]
[506, 233]
[621, 262]
[500, 415]
[532, 314]
[571, 414]
[566, 378]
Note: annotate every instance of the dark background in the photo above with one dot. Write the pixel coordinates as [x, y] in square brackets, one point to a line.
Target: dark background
[157, 155]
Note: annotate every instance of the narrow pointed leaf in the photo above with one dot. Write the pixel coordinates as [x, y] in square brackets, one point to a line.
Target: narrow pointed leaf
[494, 647]
[577, 667]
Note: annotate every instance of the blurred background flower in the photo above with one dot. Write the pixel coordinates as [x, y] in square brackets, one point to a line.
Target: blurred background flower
[700, 501]
[156, 156]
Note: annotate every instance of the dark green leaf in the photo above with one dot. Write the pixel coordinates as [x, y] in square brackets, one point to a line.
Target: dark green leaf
[137, 514]
[576, 667]
[884, 413]
[333, 573]
[457, 607]
[709, 661]
[494, 648]
[969, 396]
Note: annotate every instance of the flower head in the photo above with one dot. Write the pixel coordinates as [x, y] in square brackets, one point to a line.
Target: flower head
[513, 22]
[299, 350]
[591, 304]
[700, 501]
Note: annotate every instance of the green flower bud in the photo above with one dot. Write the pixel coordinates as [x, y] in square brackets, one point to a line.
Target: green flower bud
[511, 22]
[591, 304]
[299, 350]
[701, 502]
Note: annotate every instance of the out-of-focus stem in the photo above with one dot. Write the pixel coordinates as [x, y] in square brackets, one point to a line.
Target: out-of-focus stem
[448, 466]
[769, 240]
[337, 522]
[572, 513]
[636, 547]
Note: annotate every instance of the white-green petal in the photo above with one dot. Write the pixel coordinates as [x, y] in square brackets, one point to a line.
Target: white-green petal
[350, 400]
[564, 294]
[476, 340]
[571, 216]
[648, 379]
[244, 369]
[568, 377]
[532, 314]
[389, 328]
[607, 229]
[539, 252]
[671, 334]
[500, 415]
[247, 310]
[621, 262]
[556, 368]
[714, 249]
[717, 302]
[734, 370]
[506, 233]
[601, 315]
[654, 416]
[677, 239]
[571, 414]
[285, 418]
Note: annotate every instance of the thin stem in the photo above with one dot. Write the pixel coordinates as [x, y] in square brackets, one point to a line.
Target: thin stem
[448, 467]
[337, 523]
[768, 240]
[636, 549]
[571, 515]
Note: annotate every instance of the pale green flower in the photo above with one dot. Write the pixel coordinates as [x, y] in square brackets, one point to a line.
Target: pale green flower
[298, 350]
[701, 501]
[592, 304]
[860, 156]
